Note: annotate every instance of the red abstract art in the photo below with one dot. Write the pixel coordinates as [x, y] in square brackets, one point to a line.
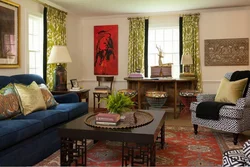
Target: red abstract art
[106, 50]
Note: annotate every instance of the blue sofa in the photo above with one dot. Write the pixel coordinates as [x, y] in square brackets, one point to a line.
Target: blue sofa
[26, 140]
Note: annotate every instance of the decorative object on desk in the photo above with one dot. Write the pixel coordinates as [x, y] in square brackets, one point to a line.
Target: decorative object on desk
[187, 61]
[162, 70]
[160, 54]
[118, 103]
[74, 84]
[9, 34]
[58, 55]
[156, 99]
[227, 52]
[106, 50]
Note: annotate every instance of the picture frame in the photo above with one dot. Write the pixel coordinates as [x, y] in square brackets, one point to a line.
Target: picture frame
[9, 34]
[74, 83]
[106, 50]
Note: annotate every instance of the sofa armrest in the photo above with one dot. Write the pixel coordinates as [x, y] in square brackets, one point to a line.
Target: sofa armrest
[205, 97]
[67, 98]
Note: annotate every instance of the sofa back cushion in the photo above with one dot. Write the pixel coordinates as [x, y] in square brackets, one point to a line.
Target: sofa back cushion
[9, 106]
[30, 98]
[27, 79]
[5, 80]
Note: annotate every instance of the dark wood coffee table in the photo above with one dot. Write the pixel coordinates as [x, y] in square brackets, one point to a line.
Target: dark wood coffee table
[142, 139]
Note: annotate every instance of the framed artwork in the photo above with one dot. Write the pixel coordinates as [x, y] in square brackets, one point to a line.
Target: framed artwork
[9, 34]
[74, 83]
[227, 52]
[106, 50]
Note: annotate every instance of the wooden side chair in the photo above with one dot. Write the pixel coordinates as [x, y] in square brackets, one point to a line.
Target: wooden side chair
[101, 90]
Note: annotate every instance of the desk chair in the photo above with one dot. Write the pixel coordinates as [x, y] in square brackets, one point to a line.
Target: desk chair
[102, 91]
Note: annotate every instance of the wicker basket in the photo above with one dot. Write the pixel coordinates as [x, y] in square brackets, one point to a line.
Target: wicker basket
[156, 99]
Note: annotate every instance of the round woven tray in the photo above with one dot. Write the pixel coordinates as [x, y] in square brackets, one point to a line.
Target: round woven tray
[142, 118]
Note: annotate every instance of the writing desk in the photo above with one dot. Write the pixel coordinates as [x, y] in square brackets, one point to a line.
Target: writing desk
[170, 85]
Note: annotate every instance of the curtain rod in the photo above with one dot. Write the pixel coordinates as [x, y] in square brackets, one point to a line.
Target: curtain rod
[46, 5]
[190, 14]
[137, 18]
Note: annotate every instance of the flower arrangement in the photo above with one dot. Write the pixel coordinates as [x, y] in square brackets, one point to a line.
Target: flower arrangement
[118, 103]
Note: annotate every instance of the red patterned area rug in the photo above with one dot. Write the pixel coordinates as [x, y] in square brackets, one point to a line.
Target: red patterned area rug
[183, 148]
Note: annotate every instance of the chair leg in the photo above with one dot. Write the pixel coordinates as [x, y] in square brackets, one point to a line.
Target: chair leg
[195, 129]
[235, 135]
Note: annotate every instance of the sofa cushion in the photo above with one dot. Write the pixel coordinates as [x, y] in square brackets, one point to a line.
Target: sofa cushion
[14, 131]
[47, 96]
[48, 117]
[73, 109]
[30, 98]
[9, 105]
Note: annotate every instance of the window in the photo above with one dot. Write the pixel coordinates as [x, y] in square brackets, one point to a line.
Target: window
[35, 45]
[168, 40]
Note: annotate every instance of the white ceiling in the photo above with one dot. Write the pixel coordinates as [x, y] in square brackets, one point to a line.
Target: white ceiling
[90, 8]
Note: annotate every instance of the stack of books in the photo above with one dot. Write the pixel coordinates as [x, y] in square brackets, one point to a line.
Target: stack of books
[135, 75]
[107, 119]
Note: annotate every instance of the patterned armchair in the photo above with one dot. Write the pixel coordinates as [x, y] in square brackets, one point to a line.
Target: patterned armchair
[239, 157]
[234, 119]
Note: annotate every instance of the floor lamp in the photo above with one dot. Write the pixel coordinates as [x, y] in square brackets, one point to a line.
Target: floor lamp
[58, 55]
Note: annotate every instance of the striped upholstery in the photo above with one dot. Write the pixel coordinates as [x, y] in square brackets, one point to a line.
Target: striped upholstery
[238, 157]
[234, 119]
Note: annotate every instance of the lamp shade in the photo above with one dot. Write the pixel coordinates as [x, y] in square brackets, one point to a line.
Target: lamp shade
[59, 54]
[186, 59]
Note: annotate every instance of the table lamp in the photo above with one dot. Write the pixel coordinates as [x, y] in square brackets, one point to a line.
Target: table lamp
[186, 61]
[58, 55]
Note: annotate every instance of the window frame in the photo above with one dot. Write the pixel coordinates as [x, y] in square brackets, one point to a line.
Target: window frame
[39, 17]
[175, 66]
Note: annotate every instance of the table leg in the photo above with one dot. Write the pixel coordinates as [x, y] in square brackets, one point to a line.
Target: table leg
[73, 151]
[138, 154]
[163, 136]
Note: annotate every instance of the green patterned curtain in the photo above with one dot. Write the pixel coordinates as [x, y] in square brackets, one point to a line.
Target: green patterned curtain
[190, 35]
[56, 35]
[136, 44]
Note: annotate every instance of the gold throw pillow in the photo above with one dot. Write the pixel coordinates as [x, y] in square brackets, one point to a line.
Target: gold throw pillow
[230, 92]
[30, 98]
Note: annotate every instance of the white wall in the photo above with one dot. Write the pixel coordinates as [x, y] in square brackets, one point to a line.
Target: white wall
[221, 24]
[26, 7]
[87, 57]
[214, 24]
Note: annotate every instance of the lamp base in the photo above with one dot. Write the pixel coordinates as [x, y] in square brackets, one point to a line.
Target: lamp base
[187, 75]
[60, 78]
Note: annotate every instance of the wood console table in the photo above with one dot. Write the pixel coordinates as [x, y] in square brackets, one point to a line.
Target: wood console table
[171, 85]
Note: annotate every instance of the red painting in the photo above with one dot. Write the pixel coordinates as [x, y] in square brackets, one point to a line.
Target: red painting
[106, 50]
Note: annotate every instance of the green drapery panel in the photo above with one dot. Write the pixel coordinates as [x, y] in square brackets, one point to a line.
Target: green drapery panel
[190, 35]
[56, 35]
[136, 44]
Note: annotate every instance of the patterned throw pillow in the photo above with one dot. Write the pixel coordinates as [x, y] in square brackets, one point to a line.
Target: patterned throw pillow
[9, 106]
[48, 97]
[30, 98]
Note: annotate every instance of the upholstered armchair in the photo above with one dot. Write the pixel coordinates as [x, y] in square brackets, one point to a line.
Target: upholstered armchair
[237, 157]
[232, 118]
